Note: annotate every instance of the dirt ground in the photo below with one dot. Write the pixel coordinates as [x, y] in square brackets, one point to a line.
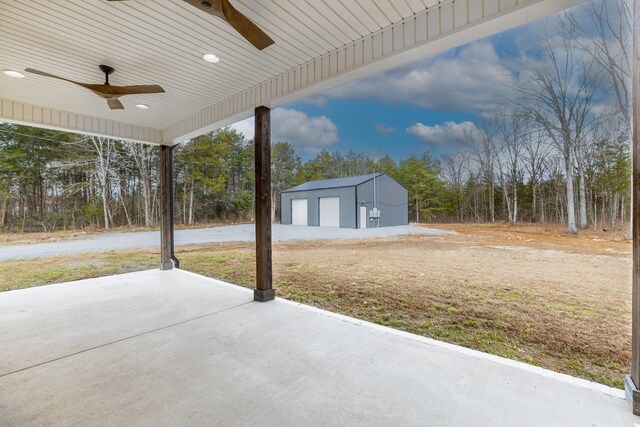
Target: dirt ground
[548, 236]
[530, 293]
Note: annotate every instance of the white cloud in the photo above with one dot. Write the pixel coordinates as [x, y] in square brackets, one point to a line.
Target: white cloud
[297, 127]
[445, 134]
[245, 127]
[302, 131]
[473, 78]
[318, 101]
[384, 129]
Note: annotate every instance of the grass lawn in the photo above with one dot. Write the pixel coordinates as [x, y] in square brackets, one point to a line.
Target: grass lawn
[526, 293]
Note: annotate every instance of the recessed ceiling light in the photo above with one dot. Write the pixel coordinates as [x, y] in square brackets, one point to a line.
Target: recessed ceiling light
[210, 57]
[142, 106]
[12, 73]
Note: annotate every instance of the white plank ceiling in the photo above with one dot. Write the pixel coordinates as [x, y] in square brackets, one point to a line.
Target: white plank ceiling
[318, 44]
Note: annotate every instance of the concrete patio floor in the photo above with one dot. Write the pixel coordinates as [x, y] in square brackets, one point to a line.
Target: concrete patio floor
[174, 348]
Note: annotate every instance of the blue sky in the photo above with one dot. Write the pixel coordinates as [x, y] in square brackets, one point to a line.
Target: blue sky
[422, 107]
[378, 127]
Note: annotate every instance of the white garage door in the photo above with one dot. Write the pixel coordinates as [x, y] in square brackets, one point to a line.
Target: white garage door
[299, 211]
[330, 212]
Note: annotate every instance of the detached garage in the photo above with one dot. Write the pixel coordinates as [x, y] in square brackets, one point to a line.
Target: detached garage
[374, 200]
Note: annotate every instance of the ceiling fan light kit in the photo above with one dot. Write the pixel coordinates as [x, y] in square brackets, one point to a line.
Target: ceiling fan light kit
[14, 74]
[210, 57]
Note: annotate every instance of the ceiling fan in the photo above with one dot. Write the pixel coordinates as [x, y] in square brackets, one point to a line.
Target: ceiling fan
[106, 91]
[243, 25]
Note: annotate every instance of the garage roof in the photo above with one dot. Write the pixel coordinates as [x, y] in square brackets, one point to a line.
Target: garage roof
[350, 181]
[318, 46]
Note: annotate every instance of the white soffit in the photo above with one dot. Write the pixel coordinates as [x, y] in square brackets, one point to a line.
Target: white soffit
[320, 44]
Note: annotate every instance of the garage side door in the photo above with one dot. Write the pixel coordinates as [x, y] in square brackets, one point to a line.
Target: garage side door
[299, 211]
[330, 212]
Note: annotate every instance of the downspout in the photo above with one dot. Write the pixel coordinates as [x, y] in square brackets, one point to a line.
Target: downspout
[375, 207]
[357, 210]
[176, 261]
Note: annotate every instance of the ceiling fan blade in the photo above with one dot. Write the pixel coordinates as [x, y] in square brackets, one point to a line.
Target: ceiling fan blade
[42, 73]
[137, 90]
[245, 26]
[224, 10]
[109, 90]
[115, 104]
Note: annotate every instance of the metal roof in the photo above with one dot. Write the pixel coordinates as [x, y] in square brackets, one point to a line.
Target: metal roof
[349, 181]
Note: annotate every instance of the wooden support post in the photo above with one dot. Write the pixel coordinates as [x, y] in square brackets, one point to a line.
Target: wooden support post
[166, 232]
[632, 382]
[264, 290]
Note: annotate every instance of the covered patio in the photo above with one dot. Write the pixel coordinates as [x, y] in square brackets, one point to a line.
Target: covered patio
[169, 347]
[174, 348]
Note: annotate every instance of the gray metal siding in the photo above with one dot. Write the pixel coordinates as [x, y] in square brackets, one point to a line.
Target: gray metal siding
[392, 200]
[347, 205]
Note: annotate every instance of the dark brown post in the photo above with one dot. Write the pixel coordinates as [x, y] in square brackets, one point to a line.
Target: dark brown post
[166, 233]
[264, 290]
[632, 382]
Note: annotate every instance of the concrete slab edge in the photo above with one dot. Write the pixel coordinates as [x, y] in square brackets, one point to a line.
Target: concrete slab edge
[546, 373]
[74, 282]
[589, 385]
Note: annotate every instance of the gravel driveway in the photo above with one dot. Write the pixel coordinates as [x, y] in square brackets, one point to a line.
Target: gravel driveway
[232, 233]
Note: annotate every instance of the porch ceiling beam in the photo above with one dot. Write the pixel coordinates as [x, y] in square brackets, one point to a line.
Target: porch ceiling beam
[33, 115]
[434, 30]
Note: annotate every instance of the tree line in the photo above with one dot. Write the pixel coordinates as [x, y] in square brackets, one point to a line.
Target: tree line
[558, 151]
[52, 180]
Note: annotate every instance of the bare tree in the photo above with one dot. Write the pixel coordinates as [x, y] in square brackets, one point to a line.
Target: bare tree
[122, 191]
[562, 89]
[143, 158]
[535, 157]
[508, 157]
[104, 149]
[482, 148]
[608, 41]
